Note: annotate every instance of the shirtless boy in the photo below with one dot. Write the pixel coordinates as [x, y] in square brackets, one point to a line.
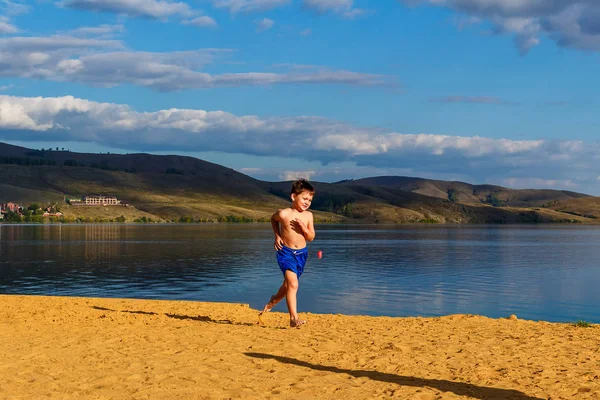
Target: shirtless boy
[293, 227]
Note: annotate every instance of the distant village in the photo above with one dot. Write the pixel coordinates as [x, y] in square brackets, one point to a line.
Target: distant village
[54, 210]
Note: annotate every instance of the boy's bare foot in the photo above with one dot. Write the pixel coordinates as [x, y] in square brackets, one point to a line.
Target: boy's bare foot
[295, 323]
[268, 307]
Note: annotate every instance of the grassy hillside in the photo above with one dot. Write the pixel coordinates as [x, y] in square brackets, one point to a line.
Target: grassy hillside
[461, 192]
[103, 214]
[171, 187]
[385, 204]
[588, 207]
[162, 196]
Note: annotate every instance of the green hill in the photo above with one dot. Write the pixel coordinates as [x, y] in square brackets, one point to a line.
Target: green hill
[466, 193]
[172, 187]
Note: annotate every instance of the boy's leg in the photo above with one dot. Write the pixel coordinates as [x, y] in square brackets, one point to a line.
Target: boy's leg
[291, 280]
[276, 298]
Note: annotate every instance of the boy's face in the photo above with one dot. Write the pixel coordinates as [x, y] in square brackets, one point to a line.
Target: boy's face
[302, 201]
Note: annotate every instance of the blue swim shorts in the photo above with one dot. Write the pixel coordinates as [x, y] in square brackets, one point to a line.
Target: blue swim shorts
[292, 259]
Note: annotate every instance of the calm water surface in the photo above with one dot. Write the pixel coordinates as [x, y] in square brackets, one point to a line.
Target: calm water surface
[536, 272]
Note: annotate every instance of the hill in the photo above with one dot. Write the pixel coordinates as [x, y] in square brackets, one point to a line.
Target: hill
[173, 187]
[466, 193]
[168, 187]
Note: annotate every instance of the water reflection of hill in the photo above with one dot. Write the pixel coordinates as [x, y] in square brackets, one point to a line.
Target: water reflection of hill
[124, 260]
[103, 242]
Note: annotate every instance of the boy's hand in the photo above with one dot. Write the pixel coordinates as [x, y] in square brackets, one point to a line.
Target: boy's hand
[278, 243]
[299, 226]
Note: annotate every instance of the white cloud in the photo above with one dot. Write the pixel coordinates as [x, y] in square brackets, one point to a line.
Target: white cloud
[6, 27]
[94, 61]
[102, 31]
[264, 24]
[299, 66]
[570, 164]
[345, 8]
[522, 183]
[13, 7]
[305, 32]
[203, 21]
[39, 57]
[570, 23]
[462, 22]
[294, 175]
[249, 6]
[155, 9]
[472, 99]
[6, 87]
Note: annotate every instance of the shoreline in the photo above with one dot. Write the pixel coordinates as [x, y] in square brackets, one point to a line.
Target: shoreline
[78, 347]
[577, 224]
[282, 306]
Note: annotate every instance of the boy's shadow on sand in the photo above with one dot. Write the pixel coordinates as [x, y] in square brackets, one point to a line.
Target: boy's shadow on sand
[204, 318]
[459, 388]
[201, 318]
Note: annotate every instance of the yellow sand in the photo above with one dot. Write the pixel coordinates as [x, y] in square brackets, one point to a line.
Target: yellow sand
[88, 348]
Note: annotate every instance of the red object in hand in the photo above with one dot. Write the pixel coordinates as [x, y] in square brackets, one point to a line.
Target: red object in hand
[319, 254]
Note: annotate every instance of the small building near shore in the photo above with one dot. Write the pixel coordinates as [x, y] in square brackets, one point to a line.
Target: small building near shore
[11, 207]
[96, 200]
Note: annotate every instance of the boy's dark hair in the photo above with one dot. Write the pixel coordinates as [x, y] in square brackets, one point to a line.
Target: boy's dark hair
[302, 185]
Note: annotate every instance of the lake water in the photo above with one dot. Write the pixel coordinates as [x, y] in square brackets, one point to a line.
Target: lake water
[537, 272]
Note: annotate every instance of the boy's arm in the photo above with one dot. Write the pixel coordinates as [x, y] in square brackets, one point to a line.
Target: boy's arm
[308, 229]
[311, 229]
[275, 220]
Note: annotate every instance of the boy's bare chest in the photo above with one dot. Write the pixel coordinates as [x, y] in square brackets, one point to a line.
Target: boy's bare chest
[288, 221]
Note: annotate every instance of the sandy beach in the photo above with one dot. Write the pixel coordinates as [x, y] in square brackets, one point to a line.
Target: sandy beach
[91, 348]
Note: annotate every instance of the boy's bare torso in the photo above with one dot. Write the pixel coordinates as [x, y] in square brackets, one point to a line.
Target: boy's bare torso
[290, 232]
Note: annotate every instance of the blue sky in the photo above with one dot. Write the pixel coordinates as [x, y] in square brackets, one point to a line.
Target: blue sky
[483, 91]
